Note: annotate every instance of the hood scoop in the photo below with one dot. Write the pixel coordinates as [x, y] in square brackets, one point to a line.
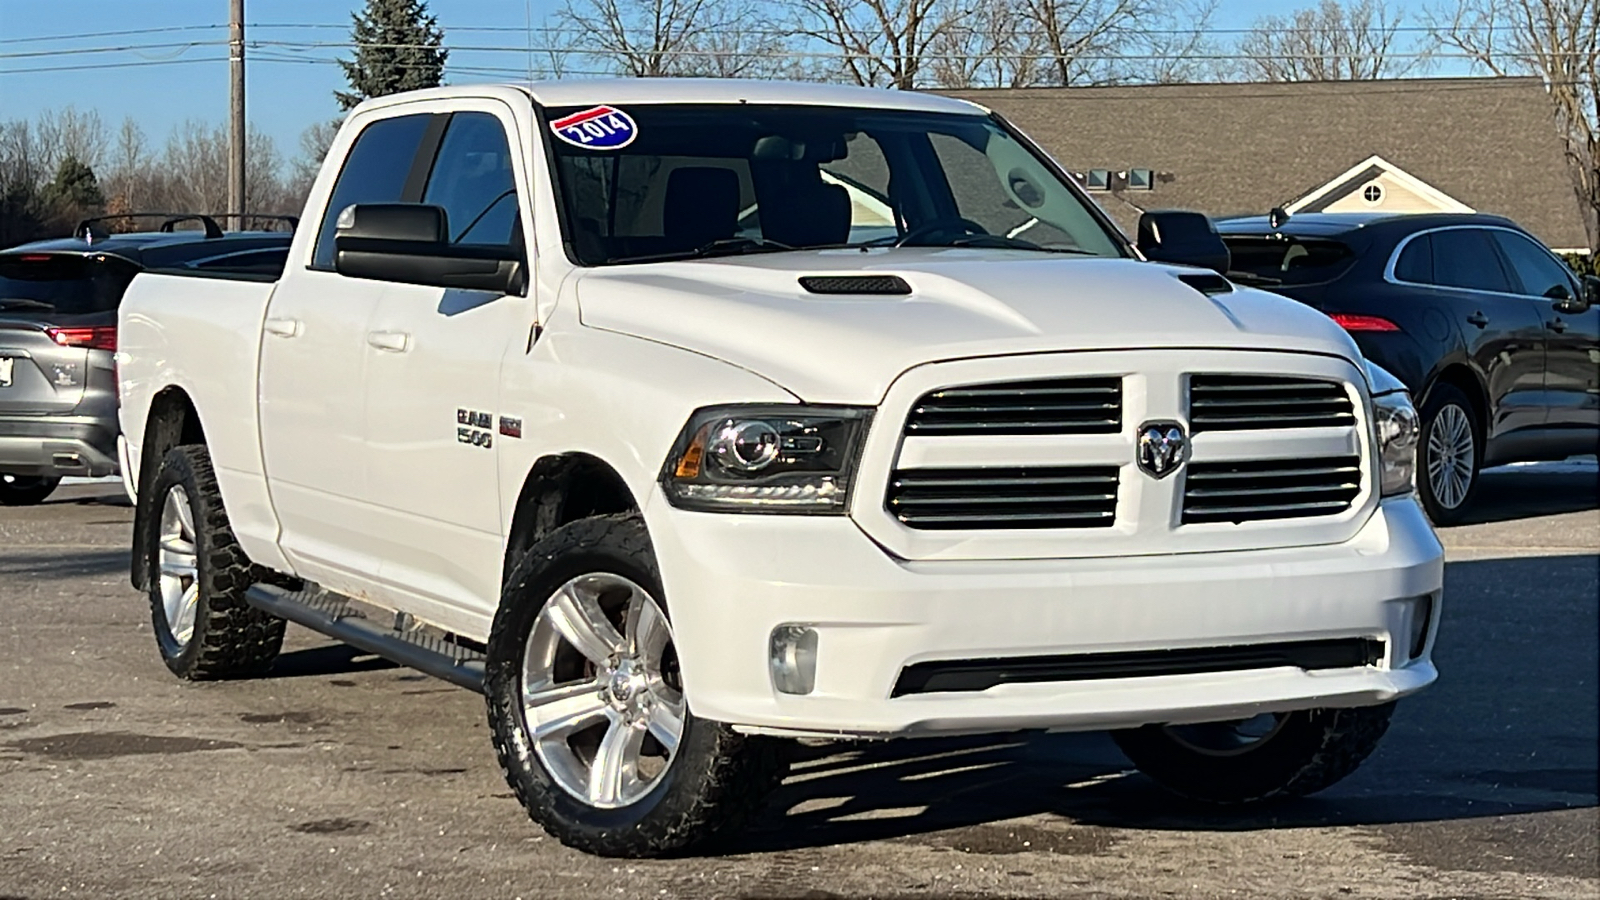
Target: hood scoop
[1208, 283]
[884, 285]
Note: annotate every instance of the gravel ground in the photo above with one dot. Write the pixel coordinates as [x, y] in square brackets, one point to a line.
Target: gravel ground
[341, 776]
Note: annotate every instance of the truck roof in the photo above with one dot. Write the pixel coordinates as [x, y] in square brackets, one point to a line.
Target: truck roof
[594, 92]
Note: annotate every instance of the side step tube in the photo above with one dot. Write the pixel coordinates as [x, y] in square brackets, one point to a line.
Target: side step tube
[325, 612]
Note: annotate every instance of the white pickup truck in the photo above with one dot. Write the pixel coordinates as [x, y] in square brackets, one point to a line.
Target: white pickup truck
[685, 417]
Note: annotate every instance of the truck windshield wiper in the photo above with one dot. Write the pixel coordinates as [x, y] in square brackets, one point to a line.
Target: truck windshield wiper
[720, 247]
[23, 303]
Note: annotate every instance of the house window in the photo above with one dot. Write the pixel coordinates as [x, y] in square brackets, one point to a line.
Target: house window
[1372, 193]
[1098, 180]
[1141, 179]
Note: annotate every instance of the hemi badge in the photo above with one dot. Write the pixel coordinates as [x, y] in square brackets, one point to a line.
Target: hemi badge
[510, 427]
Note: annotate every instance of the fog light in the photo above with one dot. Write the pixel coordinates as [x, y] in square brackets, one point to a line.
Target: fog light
[792, 655]
[1421, 618]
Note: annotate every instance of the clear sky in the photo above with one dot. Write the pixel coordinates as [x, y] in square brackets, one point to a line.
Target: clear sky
[186, 76]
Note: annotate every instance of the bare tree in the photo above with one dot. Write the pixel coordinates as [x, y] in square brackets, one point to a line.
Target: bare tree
[69, 132]
[882, 43]
[652, 38]
[1328, 42]
[1557, 40]
[992, 46]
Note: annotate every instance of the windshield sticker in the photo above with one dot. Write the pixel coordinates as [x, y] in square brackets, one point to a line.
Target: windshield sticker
[597, 128]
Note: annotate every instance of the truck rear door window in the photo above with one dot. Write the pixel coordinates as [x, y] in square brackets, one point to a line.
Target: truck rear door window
[374, 172]
[1273, 261]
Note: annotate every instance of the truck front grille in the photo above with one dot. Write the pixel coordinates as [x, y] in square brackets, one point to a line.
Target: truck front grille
[1031, 497]
[1240, 402]
[1056, 406]
[1270, 489]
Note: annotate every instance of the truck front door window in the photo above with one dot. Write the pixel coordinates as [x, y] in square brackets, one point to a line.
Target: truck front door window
[375, 171]
[472, 180]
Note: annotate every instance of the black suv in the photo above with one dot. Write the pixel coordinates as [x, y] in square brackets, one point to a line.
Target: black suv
[1494, 335]
[58, 337]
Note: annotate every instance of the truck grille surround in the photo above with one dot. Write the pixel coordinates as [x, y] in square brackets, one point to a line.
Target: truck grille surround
[1061, 453]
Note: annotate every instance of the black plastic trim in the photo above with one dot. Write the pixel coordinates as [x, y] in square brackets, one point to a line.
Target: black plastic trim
[944, 676]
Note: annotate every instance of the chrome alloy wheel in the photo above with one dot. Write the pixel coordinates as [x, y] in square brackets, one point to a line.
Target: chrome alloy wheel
[1228, 738]
[601, 695]
[1451, 453]
[179, 565]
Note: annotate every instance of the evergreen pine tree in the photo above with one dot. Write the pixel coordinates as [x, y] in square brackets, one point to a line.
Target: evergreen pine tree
[75, 185]
[397, 49]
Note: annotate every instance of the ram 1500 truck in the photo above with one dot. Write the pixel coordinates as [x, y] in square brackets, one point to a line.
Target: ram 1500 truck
[683, 417]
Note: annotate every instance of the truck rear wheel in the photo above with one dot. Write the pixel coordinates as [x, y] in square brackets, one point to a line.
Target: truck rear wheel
[587, 709]
[198, 576]
[1269, 756]
[25, 490]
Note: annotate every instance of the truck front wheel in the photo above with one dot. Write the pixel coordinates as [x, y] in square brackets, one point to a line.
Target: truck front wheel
[1266, 757]
[204, 628]
[587, 707]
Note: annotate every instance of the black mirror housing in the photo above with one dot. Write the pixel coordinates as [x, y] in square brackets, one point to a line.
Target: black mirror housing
[1591, 290]
[409, 243]
[1183, 237]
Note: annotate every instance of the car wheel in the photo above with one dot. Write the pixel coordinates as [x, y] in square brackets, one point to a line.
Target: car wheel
[587, 706]
[25, 490]
[1451, 454]
[1269, 756]
[204, 628]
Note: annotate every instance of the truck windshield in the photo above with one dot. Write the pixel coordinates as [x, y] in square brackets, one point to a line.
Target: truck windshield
[705, 180]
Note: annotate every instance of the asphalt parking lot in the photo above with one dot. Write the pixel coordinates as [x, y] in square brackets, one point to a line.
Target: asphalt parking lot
[342, 776]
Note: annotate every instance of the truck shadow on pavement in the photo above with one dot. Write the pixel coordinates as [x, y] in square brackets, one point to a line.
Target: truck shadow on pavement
[25, 565]
[1511, 727]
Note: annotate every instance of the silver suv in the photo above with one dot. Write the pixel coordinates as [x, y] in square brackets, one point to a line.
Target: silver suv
[58, 340]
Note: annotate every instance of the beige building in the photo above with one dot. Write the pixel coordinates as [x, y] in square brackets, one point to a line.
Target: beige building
[1416, 145]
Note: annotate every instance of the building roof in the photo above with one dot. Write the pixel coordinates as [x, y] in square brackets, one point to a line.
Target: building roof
[1239, 149]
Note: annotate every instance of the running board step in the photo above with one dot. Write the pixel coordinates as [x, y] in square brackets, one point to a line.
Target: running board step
[335, 616]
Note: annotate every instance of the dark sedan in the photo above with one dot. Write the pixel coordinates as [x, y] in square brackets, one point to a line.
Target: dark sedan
[1495, 336]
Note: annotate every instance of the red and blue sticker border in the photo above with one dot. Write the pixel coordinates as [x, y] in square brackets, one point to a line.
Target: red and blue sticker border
[596, 128]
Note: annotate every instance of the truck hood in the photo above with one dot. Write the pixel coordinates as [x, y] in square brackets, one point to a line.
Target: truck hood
[965, 302]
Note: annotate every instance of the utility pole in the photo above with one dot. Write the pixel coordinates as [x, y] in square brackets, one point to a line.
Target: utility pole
[236, 135]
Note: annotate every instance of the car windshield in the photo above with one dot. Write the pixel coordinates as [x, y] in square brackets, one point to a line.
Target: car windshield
[1282, 260]
[706, 180]
[67, 285]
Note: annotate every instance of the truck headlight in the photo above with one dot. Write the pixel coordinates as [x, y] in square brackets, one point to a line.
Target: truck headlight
[1396, 427]
[766, 459]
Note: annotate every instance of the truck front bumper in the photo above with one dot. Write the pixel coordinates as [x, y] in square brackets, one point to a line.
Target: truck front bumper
[732, 580]
[57, 446]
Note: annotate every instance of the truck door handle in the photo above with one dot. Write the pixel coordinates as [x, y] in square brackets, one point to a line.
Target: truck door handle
[1478, 319]
[283, 327]
[389, 341]
[1556, 325]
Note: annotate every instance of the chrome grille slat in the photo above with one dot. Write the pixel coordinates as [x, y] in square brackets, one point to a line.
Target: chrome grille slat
[1053, 406]
[1031, 497]
[1254, 490]
[1240, 402]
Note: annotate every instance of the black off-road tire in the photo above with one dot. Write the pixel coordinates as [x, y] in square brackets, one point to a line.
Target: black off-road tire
[1442, 396]
[231, 638]
[718, 777]
[26, 490]
[1312, 750]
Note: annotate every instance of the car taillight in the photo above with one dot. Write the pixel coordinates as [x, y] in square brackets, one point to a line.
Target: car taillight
[94, 337]
[1355, 322]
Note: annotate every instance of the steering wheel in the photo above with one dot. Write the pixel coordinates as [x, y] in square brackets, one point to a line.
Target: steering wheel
[940, 226]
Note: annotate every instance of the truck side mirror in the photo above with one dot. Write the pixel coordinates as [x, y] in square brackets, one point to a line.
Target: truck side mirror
[410, 243]
[1182, 237]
